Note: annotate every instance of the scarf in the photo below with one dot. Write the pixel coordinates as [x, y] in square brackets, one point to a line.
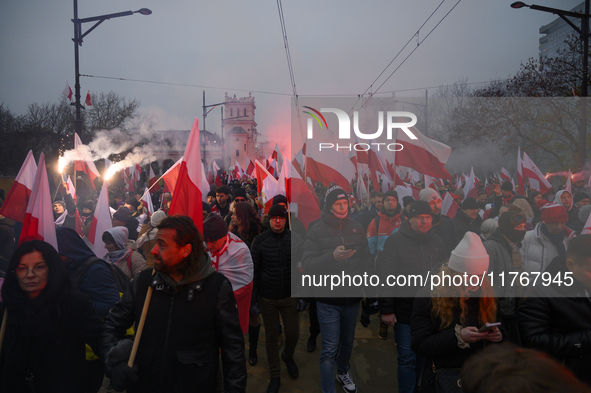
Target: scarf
[557, 240]
[337, 215]
[114, 257]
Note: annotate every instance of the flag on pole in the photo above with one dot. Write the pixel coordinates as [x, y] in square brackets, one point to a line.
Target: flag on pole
[67, 92]
[505, 175]
[277, 156]
[266, 187]
[71, 189]
[520, 180]
[249, 166]
[171, 175]
[15, 204]
[470, 186]
[531, 171]
[151, 182]
[83, 165]
[449, 207]
[101, 222]
[328, 166]
[301, 197]
[568, 186]
[88, 101]
[147, 200]
[38, 223]
[187, 191]
[587, 228]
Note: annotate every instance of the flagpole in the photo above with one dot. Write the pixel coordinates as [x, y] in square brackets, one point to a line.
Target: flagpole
[288, 216]
[148, 189]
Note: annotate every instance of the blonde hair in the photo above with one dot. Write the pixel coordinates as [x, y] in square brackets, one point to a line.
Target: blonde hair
[524, 206]
[447, 299]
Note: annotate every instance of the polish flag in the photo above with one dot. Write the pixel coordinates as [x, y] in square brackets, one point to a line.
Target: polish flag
[147, 199]
[394, 175]
[361, 188]
[568, 186]
[531, 171]
[238, 169]
[67, 91]
[328, 166]
[38, 223]
[302, 195]
[71, 189]
[449, 207]
[520, 180]
[187, 191]
[171, 175]
[87, 167]
[298, 163]
[152, 182]
[470, 186]
[101, 222]
[205, 188]
[425, 155]
[15, 204]
[88, 101]
[277, 156]
[266, 186]
[216, 175]
[587, 228]
[249, 166]
[272, 169]
[430, 182]
[505, 175]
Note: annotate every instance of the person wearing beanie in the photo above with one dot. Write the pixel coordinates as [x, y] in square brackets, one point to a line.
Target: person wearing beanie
[231, 257]
[211, 198]
[565, 198]
[446, 319]
[414, 249]
[508, 193]
[503, 247]
[122, 218]
[147, 240]
[64, 212]
[335, 244]
[467, 218]
[272, 257]
[406, 202]
[443, 226]
[556, 318]
[548, 239]
[581, 199]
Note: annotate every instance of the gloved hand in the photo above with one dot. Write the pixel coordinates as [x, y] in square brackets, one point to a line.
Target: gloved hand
[122, 376]
[254, 308]
[118, 354]
[302, 305]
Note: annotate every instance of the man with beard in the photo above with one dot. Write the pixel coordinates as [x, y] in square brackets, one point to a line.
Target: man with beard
[191, 319]
[442, 225]
[505, 258]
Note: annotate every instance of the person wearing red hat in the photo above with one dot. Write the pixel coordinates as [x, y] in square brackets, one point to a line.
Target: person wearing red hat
[547, 240]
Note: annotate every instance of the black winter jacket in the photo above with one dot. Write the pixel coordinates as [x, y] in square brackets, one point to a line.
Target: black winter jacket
[463, 225]
[273, 265]
[323, 237]
[186, 329]
[446, 230]
[557, 320]
[406, 253]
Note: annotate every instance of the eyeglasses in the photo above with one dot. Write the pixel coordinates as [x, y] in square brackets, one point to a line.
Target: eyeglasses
[424, 219]
[280, 219]
[23, 271]
[239, 200]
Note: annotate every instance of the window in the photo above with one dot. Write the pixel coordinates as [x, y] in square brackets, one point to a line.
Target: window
[244, 112]
[231, 112]
[237, 153]
[245, 147]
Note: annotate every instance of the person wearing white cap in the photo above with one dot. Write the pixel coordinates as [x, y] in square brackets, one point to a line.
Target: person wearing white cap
[442, 225]
[446, 320]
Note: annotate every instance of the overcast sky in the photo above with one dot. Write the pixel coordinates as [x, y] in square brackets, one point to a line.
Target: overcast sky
[185, 47]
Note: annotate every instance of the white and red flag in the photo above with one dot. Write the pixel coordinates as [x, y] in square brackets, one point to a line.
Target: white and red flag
[587, 228]
[38, 223]
[71, 189]
[449, 207]
[216, 173]
[187, 191]
[67, 91]
[266, 186]
[88, 101]
[147, 200]
[15, 204]
[301, 195]
[249, 167]
[85, 166]
[298, 163]
[171, 175]
[277, 156]
[568, 187]
[520, 179]
[470, 186]
[430, 182]
[531, 171]
[328, 165]
[153, 182]
[101, 222]
[505, 175]
[425, 155]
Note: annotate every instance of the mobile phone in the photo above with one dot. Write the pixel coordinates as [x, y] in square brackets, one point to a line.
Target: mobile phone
[350, 246]
[489, 327]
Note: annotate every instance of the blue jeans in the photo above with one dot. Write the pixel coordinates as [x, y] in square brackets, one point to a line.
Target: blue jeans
[337, 329]
[407, 360]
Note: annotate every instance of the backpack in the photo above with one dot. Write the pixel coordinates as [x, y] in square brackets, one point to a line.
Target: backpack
[121, 279]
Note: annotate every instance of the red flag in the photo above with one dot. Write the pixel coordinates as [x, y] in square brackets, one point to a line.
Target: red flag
[531, 171]
[300, 194]
[152, 182]
[67, 91]
[88, 102]
[266, 186]
[147, 200]
[249, 166]
[187, 191]
[520, 179]
[38, 223]
[71, 189]
[85, 166]
[505, 175]
[328, 166]
[171, 175]
[101, 222]
[15, 204]
[449, 207]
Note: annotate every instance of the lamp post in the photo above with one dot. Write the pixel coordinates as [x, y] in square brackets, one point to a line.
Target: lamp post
[78, 37]
[222, 125]
[584, 37]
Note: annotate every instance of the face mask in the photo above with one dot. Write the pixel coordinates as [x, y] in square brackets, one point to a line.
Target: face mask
[514, 235]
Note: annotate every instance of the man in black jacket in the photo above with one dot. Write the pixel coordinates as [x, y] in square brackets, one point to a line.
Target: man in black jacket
[192, 317]
[272, 256]
[336, 245]
[556, 317]
[467, 218]
[414, 250]
[442, 225]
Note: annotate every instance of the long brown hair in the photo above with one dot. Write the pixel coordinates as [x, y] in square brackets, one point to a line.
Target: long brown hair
[447, 299]
[245, 218]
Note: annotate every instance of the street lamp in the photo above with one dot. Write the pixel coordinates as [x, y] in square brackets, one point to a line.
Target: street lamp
[584, 36]
[78, 37]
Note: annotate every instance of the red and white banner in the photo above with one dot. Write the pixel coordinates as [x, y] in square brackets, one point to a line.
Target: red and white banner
[302, 195]
[470, 186]
[520, 179]
[147, 200]
[328, 166]
[88, 101]
[187, 191]
[249, 166]
[171, 175]
[67, 91]
[277, 156]
[505, 175]
[152, 182]
[87, 167]
[531, 171]
[38, 223]
[449, 207]
[15, 204]
[101, 222]
[266, 186]
[71, 189]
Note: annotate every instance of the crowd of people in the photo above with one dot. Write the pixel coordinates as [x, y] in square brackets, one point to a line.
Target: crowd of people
[172, 308]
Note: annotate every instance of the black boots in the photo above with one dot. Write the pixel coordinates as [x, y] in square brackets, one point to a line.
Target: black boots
[253, 340]
[274, 385]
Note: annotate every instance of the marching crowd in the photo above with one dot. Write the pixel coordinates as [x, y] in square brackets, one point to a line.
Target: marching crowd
[168, 307]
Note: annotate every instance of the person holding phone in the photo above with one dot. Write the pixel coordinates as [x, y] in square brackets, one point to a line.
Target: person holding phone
[447, 323]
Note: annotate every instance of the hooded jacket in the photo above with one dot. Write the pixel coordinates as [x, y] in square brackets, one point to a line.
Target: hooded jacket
[186, 328]
[538, 251]
[556, 319]
[126, 255]
[389, 224]
[462, 223]
[572, 211]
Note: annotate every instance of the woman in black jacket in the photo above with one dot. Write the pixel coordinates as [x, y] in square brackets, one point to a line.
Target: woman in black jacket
[47, 325]
[445, 326]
